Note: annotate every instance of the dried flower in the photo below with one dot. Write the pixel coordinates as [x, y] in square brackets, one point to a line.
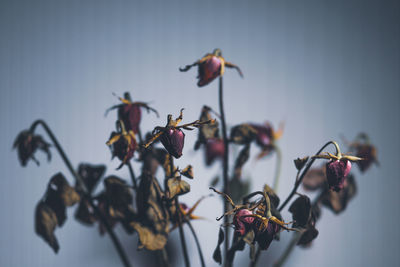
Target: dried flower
[243, 221]
[266, 137]
[171, 136]
[130, 112]
[122, 143]
[336, 173]
[210, 67]
[27, 144]
[337, 201]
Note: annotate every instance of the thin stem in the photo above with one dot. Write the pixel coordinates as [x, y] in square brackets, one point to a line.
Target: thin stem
[277, 168]
[178, 212]
[256, 256]
[197, 243]
[181, 233]
[81, 183]
[225, 165]
[163, 257]
[132, 175]
[298, 181]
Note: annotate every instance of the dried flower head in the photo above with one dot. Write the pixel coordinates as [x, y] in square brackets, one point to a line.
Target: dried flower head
[171, 136]
[365, 150]
[210, 67]
[122, 143]
[266, 137]
[130, 112]
[27, 144]
[214, 150]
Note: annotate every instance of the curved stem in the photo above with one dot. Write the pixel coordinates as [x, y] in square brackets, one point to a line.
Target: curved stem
[132, 175]
[277, 168]
[225, 164]
[298, 182]
[81, 183]
[197, 243]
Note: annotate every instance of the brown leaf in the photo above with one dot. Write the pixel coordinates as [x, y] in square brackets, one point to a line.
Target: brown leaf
[243, 134]
[206, 131]
[84, 213]
[177, 187]
[119, 196]
[59, 195]
[148, 238]
[217, 255]
[337, 201]
[301, 211]
[188, 172]
[272, 196]
[45, 224]
[314, 179]
[91, 174]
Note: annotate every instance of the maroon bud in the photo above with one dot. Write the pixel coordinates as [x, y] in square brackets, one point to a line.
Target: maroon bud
[336, 173]
[131, 115]
[242, 221]
[173, 140]
[215, 149]
[209, 70]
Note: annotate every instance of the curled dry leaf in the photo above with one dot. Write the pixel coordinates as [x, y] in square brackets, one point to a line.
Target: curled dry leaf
[314, 179]
[206, 131]
[148, 238]
[217, 256]
[337, 201]
[60, 195]
[188, 172]
[119, 196]
[177, 187]
[301, 211]
[45, 224]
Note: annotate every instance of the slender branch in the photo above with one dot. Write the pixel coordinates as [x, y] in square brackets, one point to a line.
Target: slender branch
[298, 181]
[132, 175]
[256, 256]
[81, 183]
[225, 164]
[163, 257]
[181, 233]
[197, 243]
[178, 212]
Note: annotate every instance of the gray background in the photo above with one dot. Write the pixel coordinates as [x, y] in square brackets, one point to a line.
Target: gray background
[325, 68]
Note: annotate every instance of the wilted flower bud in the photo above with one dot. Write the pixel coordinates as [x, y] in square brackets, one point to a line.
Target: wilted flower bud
[242, 221]
[27, 144]
[173, 140]
[215, 149]
[265, 238]
[131, 115]
[123, 145]
[210, 67]
[336, 173]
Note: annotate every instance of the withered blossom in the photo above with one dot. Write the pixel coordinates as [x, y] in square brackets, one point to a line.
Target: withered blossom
[210, 67]
[266, 137]
[214, 150]
[363, 148]
[171, 136]
[27, 143]
[337, 201]
[130, 112]
[122, 144]
[336, 173]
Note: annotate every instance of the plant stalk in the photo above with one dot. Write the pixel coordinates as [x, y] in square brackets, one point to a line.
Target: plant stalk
[225, 165]
[132, 175]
